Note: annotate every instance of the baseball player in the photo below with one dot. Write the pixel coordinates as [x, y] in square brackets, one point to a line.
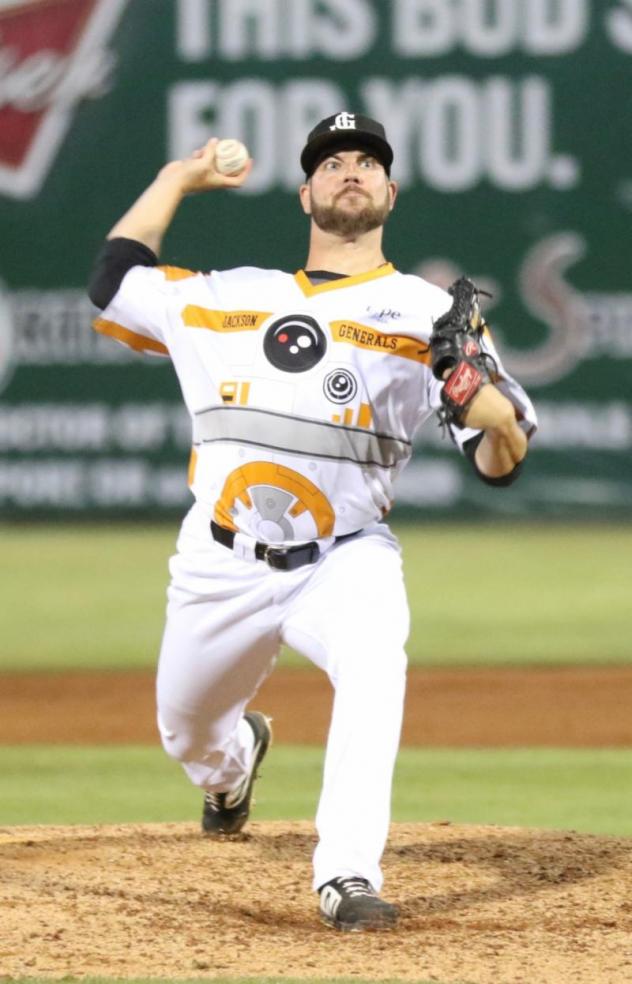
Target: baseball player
[305, 391]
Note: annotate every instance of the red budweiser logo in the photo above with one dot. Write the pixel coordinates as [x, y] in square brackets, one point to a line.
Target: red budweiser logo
[52, 55]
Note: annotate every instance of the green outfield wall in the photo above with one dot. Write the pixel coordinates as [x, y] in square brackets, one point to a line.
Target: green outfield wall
[510, 121]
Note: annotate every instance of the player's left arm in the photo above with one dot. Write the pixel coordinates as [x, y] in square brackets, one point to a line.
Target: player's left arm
[498, 451]
[486, 411]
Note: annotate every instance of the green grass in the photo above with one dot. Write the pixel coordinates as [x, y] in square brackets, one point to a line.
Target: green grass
[93, 596]
[517, 595]
[82, 596]
[585, 790]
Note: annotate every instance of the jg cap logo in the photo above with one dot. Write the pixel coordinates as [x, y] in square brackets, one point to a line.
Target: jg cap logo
[350, 130]
[52, 55]
[344, 121]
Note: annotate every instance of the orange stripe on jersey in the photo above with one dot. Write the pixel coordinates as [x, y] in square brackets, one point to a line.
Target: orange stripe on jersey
[140, 343]
[308, 288]
[192, 466]
[176, 273]
[194, 316]
[244, 393]
[364, 416]
[364, 337]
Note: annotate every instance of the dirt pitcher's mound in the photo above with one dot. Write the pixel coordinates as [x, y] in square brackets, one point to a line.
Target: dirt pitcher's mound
[488, 905]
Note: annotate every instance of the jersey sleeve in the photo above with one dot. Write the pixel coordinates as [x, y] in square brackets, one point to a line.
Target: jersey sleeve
[509, 387]
[139, 313]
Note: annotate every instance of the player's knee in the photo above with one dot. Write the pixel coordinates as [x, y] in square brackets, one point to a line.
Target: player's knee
[178, 746]
[182, 743]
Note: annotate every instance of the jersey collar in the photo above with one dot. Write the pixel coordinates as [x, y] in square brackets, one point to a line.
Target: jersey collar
[309, 289]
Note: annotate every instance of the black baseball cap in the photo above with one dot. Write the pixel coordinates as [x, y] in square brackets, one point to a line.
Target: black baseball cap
[351, 130]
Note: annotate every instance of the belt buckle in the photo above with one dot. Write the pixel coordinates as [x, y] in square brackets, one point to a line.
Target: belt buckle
[289, 558]
[275, 557]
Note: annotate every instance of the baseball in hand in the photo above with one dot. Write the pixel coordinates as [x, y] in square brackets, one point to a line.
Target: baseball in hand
[231, 157]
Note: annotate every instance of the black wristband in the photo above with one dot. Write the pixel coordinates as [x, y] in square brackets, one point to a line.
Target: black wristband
[469, 449]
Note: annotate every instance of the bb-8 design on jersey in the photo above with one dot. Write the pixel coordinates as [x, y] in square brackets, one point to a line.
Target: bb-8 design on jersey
[276, 503]
[304, 402]
[272, 501]
[314, 379]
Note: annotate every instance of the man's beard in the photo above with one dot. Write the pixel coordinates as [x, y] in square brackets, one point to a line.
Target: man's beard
[350, 224]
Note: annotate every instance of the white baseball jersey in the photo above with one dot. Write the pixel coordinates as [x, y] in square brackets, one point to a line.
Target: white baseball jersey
[304, 399]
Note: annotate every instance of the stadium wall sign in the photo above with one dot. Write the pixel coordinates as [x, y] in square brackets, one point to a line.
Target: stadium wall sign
[7, 336]
[581, 325]
[52, 55]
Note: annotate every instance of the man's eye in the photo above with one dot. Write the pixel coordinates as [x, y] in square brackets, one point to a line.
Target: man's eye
[331, 165]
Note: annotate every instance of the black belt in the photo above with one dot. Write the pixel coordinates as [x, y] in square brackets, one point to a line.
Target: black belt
[281, 558]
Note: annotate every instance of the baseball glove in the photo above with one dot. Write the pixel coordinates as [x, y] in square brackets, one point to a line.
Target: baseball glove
[455, 348]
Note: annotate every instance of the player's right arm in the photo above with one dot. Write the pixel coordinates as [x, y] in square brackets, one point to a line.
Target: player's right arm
[136, 238]
[150, 216]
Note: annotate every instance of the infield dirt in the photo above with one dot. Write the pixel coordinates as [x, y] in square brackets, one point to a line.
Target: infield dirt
[565, 707]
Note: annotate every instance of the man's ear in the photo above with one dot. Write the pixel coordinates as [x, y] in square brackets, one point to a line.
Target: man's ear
[305, 197]
[393, 189]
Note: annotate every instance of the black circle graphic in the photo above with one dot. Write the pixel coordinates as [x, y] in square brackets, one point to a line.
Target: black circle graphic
[294, 343]
[340, 386]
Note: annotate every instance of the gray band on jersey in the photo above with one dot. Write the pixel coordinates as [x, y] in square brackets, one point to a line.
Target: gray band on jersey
[298, 435]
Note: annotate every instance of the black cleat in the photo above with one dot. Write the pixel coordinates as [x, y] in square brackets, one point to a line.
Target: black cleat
[225, 814]
[351, 904]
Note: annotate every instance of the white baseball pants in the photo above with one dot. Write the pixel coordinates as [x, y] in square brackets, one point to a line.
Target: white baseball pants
[348, 614]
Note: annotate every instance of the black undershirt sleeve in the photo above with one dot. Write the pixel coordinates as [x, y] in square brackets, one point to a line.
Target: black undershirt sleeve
[469, 449]
[114, 259]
